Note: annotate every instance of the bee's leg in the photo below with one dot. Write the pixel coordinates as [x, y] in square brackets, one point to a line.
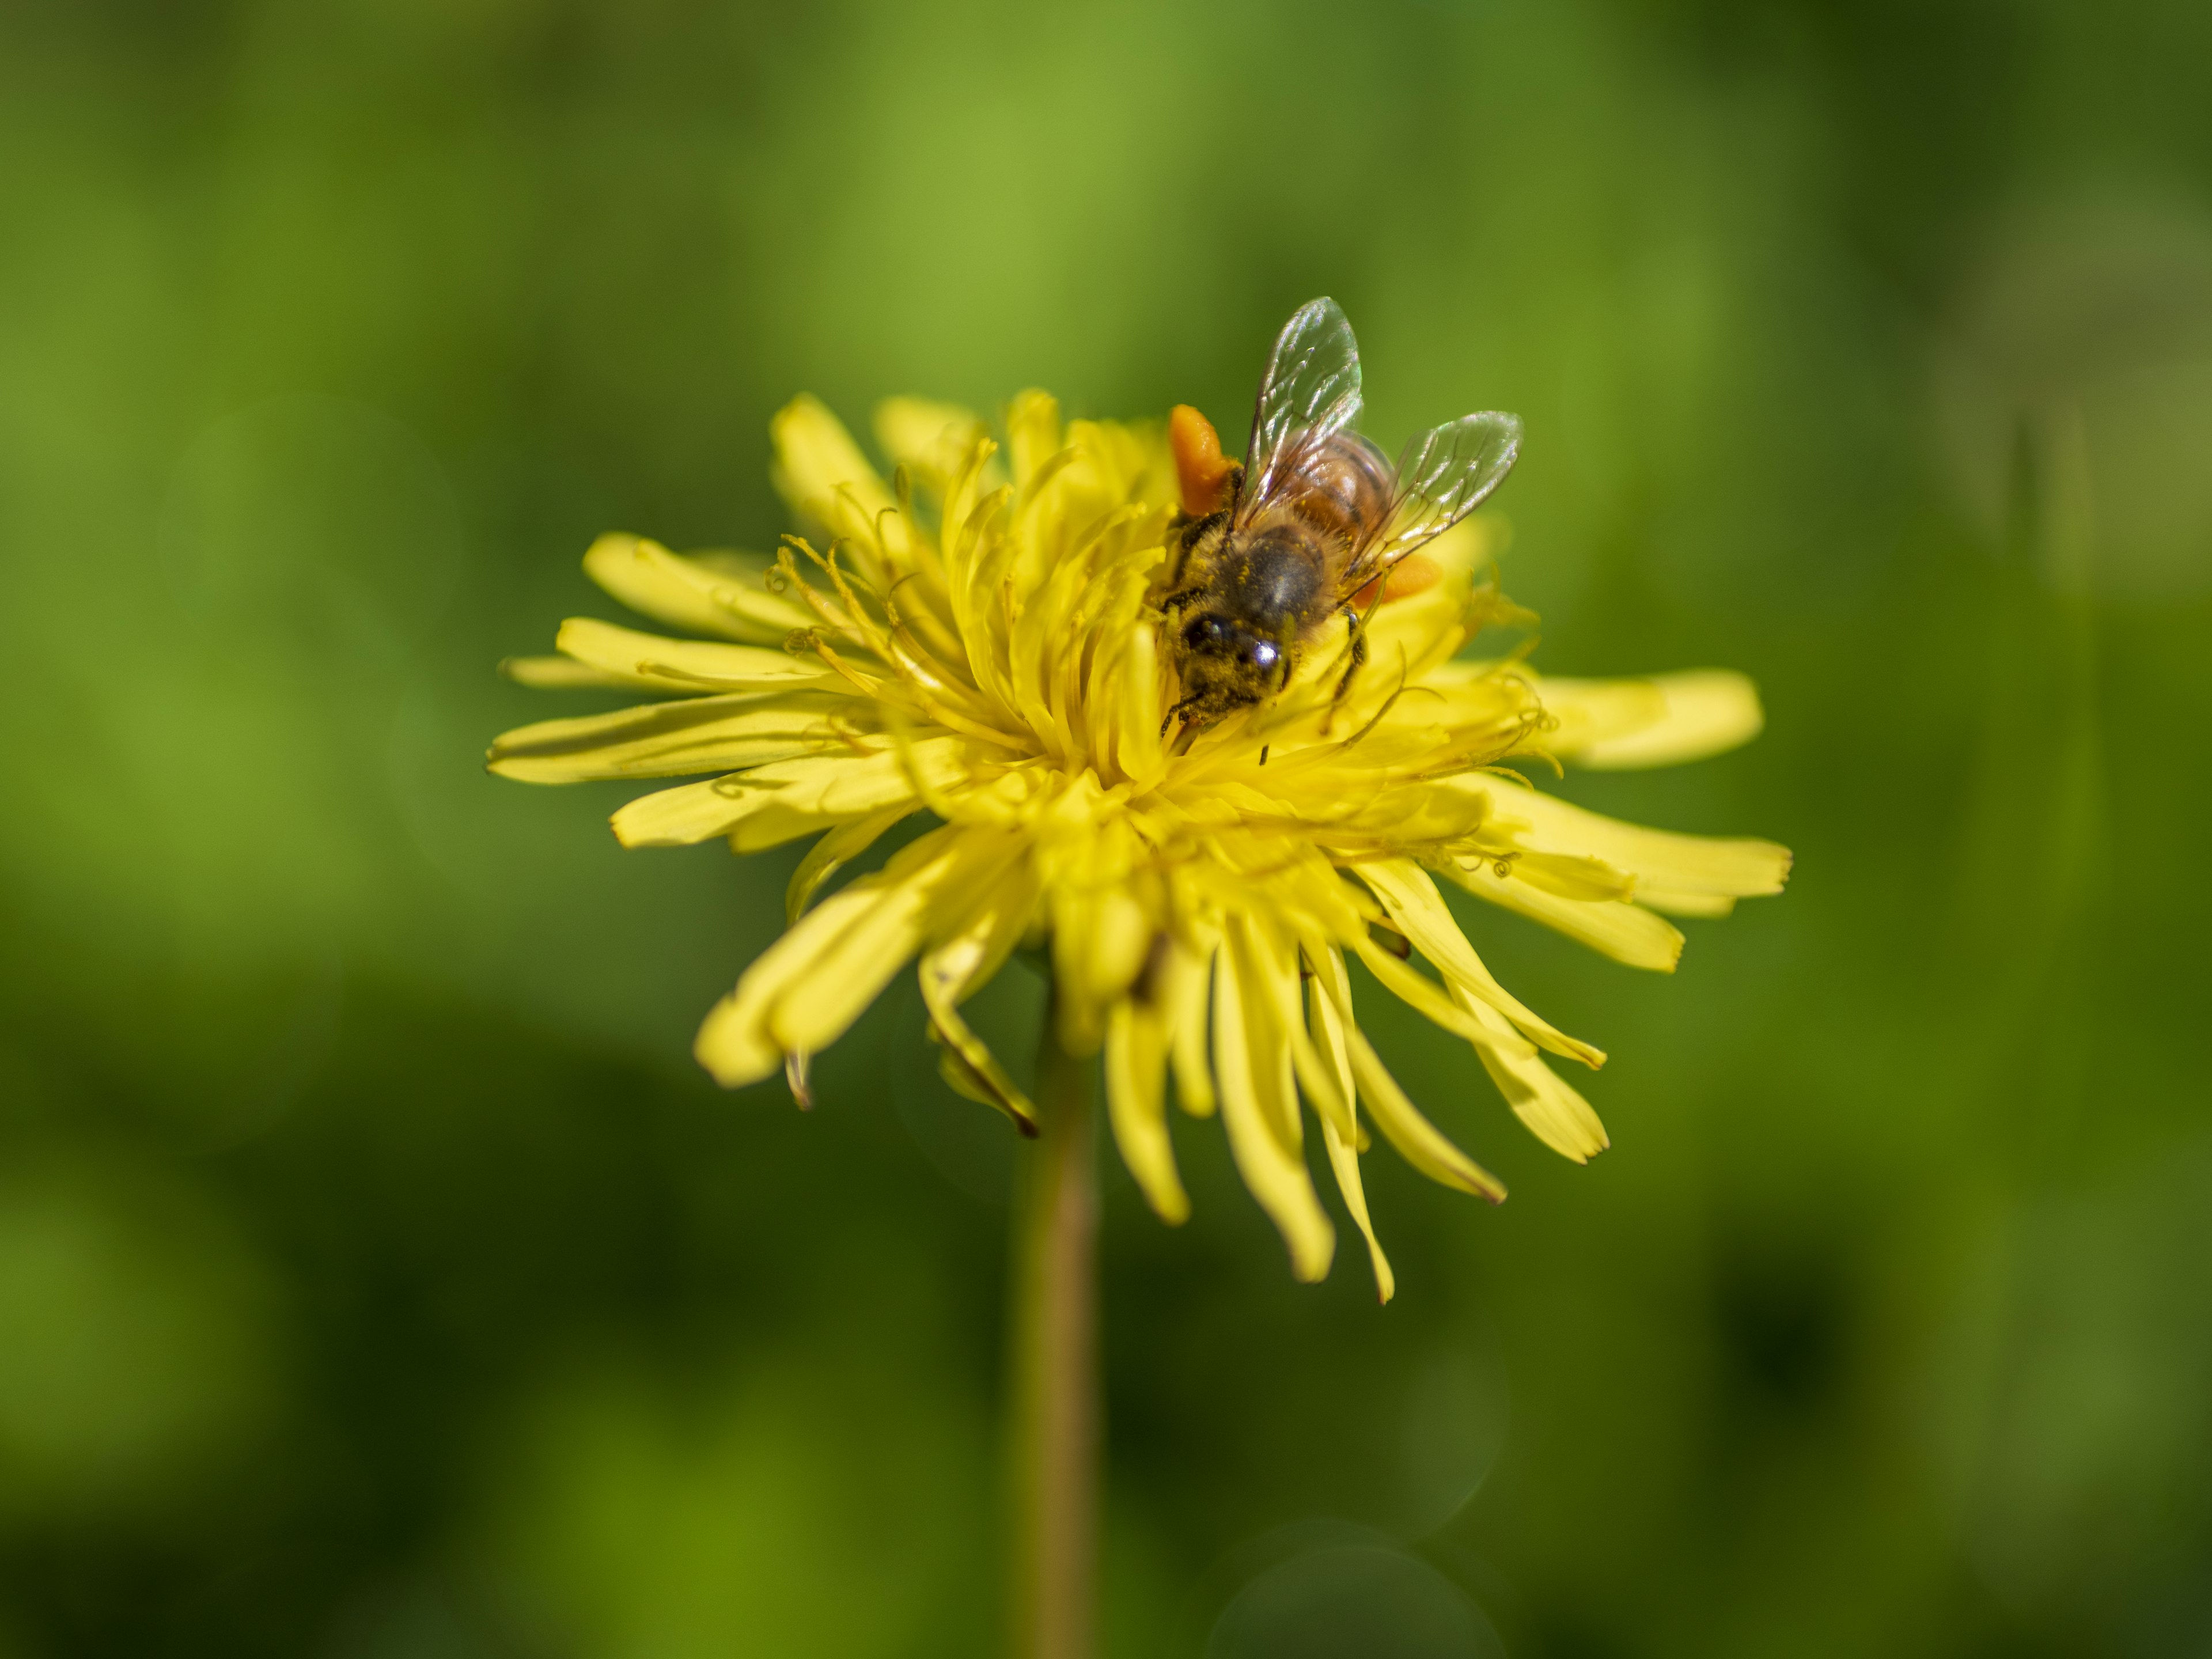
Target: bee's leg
[1357, 626]
[1181, 532]
[1191, 728]
[1189, 533]
[1178, 545]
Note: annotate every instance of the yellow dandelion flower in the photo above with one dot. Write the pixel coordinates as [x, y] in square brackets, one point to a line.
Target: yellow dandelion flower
[981, 638]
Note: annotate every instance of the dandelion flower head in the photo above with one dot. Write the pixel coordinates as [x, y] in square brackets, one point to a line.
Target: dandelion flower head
[978, 637]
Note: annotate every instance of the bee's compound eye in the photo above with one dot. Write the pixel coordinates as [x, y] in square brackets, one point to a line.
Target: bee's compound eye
[1202, 630]
[1262, 655]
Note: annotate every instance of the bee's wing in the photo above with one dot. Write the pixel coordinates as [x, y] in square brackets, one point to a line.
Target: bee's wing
[1442, 477]
[1310, 390]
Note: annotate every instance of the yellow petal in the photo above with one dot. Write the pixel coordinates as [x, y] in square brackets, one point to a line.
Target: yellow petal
[1419, 1141]
[841, 792]
[733, 1046]
[1266, 969]
[1033, 436]
[738, 1043]
[790, 799]
[952, 972]
[694, 665]
[835, 849]
[1420, 914]
[727, 598]
[1626, 933]
[1136, 1098]
[822, 473]
[1571, 876]
[1659, 721]
[1103, 926]
[1417, 991]
[700, 811]
[671, 739]
[1187, 997]
[1250, 1078]
[566, 674]
[1136, 683]
[1339, 1129]
[1665, 865]
[1100, 938]
[1560, 1116]
[1676, 902]
[932, 440]
[842, 975]
[964, 1080]
[1555, 1113]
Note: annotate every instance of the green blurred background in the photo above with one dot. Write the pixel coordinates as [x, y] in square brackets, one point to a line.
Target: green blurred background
[379, 1280]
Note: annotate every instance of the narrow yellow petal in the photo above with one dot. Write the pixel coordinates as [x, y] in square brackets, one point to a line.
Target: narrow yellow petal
[1418, 1140]
[1275, 1175]
[1343, 1162]
[1560, 1116]
[1339, 1127]
[822, 473]
[1659, 721]
[1554, 1112]
[732, 1046]
[672, 739]
[809, 793]
[693, 812]
[691, 666]
[1187, 998]
[835, 849]
[1100, 937]
[1663, 862]
[789, 798]
[737, 1043]
[566, 674]
[1033, 435]
[1417, 991]
[1266, 969]
[1140, 752]
[727, 598]
[1675, 903]
[1626, 933]
[1420, 914]
[1572, 876]
[932, 440]
[994, 1090]
[816, 1004]
[953, 971]
[1136, 1099]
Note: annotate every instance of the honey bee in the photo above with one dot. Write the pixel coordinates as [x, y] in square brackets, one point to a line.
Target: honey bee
[1264, 556]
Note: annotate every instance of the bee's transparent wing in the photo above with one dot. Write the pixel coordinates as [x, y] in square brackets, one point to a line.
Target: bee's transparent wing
[1310, 390]
[1442, 476]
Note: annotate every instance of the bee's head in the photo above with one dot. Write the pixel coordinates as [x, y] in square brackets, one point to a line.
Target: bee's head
[1231, 643]
[1226, 663]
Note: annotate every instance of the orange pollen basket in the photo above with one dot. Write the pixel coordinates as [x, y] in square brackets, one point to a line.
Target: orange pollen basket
[1201, 469]
[1414, 573]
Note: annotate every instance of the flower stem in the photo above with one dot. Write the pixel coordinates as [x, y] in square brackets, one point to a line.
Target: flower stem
[1055, 1316]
